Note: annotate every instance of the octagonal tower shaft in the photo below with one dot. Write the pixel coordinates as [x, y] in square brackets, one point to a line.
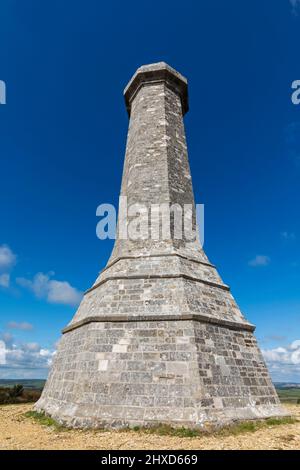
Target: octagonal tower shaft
[156, 169]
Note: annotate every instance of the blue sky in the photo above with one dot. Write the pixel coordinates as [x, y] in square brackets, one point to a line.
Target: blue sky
[62, 141]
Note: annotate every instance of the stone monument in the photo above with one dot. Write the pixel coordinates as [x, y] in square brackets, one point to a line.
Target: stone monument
[158, 338]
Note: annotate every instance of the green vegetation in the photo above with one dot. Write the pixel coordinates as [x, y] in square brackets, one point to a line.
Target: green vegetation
[234, 429]
[18, 394]
[167, 430]
[45, 420]
[289, 395]
[16, 391]
[252, 426]
[20, 391]
[32, 384]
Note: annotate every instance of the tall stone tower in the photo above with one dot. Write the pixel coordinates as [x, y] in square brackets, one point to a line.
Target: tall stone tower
[158, 338]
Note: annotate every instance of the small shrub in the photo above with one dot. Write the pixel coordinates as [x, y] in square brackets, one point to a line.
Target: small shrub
[18, 394]
[45, 420]
[16, 391]
[283, 420]
[31, 396]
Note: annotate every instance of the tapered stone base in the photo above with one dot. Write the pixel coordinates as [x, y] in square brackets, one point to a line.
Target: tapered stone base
[180, 372]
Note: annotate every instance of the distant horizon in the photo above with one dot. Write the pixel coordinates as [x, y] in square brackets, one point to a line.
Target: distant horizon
[44, 380]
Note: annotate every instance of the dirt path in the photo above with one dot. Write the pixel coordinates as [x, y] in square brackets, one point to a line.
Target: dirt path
[19, 432]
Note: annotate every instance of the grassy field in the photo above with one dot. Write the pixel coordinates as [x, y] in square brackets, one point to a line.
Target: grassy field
[20, 391]
[32, 384]
[289, 395]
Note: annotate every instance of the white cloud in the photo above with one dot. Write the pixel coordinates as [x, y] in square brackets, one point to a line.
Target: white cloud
[272, 337]
[57, 292]
[7, 258]
[4, 280]
[295, 344]
[2, 352]
[26, 356]
[20, 326]
[288, 235]
[43, 287]
[45, 353]
[284, 362]
[31, 347]
[7, 338]
[295, 6]
[276, 355]
[7, 261]
[63, 293]
[259, 260]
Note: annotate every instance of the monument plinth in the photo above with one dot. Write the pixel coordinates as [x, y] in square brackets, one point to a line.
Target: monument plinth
[158, 338]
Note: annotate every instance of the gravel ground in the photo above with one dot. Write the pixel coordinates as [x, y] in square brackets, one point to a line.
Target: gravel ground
[20, 432]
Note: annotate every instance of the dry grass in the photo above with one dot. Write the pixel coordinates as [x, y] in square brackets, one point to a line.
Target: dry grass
[22, 428]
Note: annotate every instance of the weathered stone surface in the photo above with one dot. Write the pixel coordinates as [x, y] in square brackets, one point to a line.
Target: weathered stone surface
[158, 337]
[182, 372]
